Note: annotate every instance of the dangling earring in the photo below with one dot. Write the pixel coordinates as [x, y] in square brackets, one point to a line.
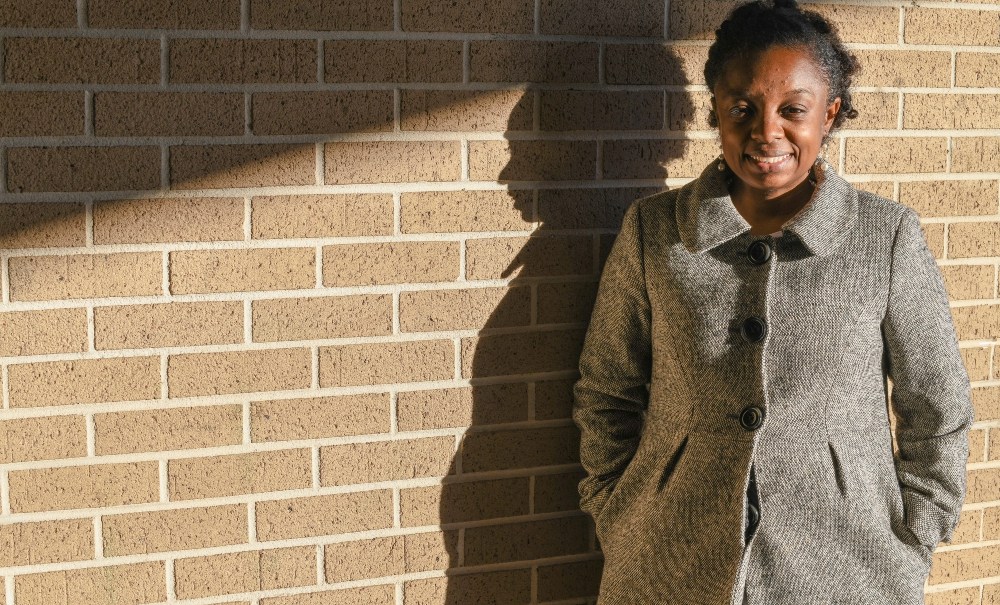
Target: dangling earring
[721, 166]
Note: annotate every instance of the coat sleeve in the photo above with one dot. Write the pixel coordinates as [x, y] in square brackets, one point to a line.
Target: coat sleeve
[611, 394]
[931, 394]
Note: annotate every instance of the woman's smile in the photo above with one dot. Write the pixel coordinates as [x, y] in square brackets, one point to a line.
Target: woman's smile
[769, 163]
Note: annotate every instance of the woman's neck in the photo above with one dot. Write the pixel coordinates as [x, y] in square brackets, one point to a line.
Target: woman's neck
[767, 214]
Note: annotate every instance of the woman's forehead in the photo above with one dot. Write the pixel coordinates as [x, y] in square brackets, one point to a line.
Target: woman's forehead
[776, 70]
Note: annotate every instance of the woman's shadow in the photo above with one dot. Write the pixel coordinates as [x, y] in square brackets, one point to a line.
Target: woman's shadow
[513, 529]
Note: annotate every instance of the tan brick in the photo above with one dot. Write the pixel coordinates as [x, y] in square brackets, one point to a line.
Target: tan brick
[435, 310]
[642, 18]
[287, 113]
[451, 110]
[934, 234]
[697, 20]
[859, 23]
[976, 70]
[973, 239]
[688, 111]
[977, 445]
[236, 61]
[964, 282]
[976, 322]
[531, 540]
[390, 556]
[322, 317]
[903, 68]
[92, 486]
[239, 474]
[168, 325]
[532, 160]
[462, 502]
[991, 523]
[41, 332]
[392, 161]
[529, 61]
[38, 13]
[569, 580]
[46, 542]
[961, 596]
[172, 530]
[553, 399]
[503, 16]
[512, 586]
[384, 594]
[195, 374]
[523, 448]
[245, 572]
[586, 110]
[84, 381]
[386, 363]
[975, 154]
[290, 216]
[28, 439]
[587, 208]
[40, 114]
[880, 188]
[154, 14]
[951, 27]
[168, 429]
[85, 276]
[658, 159]
[991, 595]
[986, 402]
[950, 111]
[324, 515]
[977, 361]
[984, 485]
[968, 526]
[386, 460]
[165, 114]
[876, 111]
[495, 258]
[222, 166]
[462, 407]
[42, 225]
[131, 584]
[557, 493]
[466, 210]
[949, 198]
[425, 61]
[337, 15]
[319, 417]
[134, 221]
[390, 263]
[994, 447]
[565, 303]
[895, 155]
[964, 564]
[242, 270]
[657, 64]
[122, 168]
[81, 60]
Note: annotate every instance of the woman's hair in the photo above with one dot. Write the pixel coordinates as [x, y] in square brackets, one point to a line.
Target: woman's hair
[756, 26]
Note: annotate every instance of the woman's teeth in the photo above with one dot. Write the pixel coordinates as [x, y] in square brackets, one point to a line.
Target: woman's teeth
[768, 160]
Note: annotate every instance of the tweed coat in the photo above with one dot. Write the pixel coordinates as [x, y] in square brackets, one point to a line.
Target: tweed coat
[710, 350]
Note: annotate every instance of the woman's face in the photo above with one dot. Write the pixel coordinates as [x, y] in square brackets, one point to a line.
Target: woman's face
[773, 114]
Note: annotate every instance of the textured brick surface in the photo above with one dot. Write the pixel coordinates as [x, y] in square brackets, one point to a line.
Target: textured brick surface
[337, 15]
[322, 317]
[391, 162]
[970, 239]
[493, 258]
[507, 449]
[975, 154]
[83, 486]
[215, 166]
[169, 14]
[903, 68]
[657, 159]
[42, 225]
[41, 332]
[232, 61]
[168, 114]
[393, 61]
[131, 584]
[181, 529]
[39, 114]
[386, 460]
[641, 18]
[532, 160]
[545, 62]
[860, 23]
[85, 276]
[245, 571]
[238, 474]
[81, 60]
[585, 110]
[38, 13]
[289, 216]
[500, 16]
[194, 374]
[479, 405]
[531, 540]
[134, 221]
[43, 438]
[513, 585]
[84, 381]
[396, 555]
[46, 542]
[168, 325]
[168, 429]
[949, 198]
[965, 282]
[384, 594]
[877, 110]
[654, 64]
[319, 417]
[950, 111]
[569, 580]
[467, 501]
[896, 155]
[276, 113]
[976, 69]
[390, 263]
[324, 515]
[242, 270]
[951, 27]
[386, 363]
[447, 110]
[32, 169]
[428, 311]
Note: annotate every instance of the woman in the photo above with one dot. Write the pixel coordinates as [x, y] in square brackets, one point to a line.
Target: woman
[733, 394]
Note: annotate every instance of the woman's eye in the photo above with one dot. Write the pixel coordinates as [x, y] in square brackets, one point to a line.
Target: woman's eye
[795, 110]
[739, 112]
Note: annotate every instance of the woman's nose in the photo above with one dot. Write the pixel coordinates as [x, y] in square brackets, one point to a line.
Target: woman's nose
[766, 127]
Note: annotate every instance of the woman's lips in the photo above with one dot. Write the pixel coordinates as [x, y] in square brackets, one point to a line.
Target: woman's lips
[769, 163]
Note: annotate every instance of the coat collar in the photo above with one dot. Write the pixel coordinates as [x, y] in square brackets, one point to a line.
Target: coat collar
[706, 216]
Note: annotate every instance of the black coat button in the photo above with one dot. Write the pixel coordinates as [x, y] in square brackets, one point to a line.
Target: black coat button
[753, 329]
[759, 252]
[751, 417]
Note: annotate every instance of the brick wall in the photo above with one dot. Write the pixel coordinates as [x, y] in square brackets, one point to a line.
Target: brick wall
[293, 292]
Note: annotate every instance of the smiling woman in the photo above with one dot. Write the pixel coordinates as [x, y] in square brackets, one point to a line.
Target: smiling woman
[734, 393]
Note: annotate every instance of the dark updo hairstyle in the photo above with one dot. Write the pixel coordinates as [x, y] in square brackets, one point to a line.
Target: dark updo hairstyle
[756, 26]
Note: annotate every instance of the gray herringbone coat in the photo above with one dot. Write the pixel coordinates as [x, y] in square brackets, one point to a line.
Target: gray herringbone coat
[849, 296]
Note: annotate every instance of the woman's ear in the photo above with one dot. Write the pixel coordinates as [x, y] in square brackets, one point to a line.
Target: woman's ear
[831, 113]
[713, 116]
